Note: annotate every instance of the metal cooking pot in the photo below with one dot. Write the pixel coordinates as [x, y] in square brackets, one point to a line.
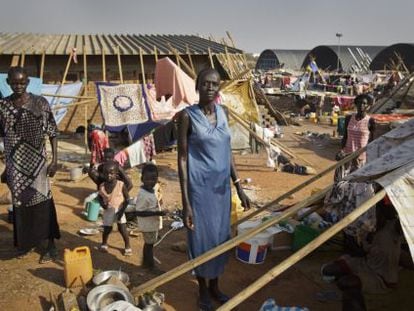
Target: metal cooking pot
[105, 275]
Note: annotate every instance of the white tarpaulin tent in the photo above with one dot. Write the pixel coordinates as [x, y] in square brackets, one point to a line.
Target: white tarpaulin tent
[390, 162]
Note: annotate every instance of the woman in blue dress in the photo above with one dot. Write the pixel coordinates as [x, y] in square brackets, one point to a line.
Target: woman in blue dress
[206, 168]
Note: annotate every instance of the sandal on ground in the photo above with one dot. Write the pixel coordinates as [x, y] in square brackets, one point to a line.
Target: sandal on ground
[46, 257]
[103, 248]
[205, 304]
[219, 297]
[127, 252]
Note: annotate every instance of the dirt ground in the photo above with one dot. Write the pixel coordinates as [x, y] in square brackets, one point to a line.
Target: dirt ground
[26, 285]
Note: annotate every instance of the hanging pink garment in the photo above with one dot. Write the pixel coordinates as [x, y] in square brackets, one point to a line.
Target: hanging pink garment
[171, 80]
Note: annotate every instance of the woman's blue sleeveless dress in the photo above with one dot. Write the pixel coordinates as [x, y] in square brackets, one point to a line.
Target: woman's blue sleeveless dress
[209, 162]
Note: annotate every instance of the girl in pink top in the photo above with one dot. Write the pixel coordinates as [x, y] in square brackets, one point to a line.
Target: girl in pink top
[359, 129]
[113, 196]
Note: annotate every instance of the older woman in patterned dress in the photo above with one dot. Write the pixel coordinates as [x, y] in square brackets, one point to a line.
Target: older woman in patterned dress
[25, 120]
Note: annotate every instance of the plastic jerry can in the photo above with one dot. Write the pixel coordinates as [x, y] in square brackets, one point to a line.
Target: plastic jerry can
[78, 268]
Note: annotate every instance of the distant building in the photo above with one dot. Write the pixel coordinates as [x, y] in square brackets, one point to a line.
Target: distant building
[277, 59]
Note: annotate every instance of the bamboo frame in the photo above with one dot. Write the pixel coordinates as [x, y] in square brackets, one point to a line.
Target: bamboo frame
[118, 55]
[210, 56]
[42, 65]
[190, 58]
[85, 76]
[141, 61]
[191, 264]
[14, 61]
[69, 96]
[64, 75]
[103, 66]
[302, 185]
[74, 105]
[22, 59]
[155, 54]
[304, 251]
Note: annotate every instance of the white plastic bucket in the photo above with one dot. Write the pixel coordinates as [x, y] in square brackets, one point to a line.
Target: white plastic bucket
[253, 250]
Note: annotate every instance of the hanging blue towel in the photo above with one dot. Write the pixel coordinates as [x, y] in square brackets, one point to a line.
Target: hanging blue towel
[34, 87]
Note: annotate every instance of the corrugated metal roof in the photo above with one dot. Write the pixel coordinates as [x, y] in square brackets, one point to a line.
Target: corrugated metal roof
[129, 44]
[352, 57]
[289, 59]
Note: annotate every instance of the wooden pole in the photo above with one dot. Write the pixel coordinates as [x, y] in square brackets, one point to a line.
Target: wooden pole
[210, 56]
[155, 54]
[74, 105]
[190, 59]
[15, 61]
[234, 81]
[141, 60]
[121, 76]
[85, 76]
[302, 185]
[64, 75]
[191, 264]
[22, 59]
[304, 251]
[69, 96]
[231, 39]
[42, 65]
[190, 71]
[103, 66]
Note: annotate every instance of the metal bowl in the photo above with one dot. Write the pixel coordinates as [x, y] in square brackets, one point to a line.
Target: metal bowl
[103, 295]
[105, 276]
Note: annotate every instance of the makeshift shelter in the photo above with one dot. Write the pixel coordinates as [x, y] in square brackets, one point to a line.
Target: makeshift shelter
[271, 59]
[402, 53]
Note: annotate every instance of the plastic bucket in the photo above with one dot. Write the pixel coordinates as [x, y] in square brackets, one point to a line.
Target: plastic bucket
[92, 210]
[75, 173]
[253, 250]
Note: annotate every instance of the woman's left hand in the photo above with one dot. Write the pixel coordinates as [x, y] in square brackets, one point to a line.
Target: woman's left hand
[51, 169]
[245, 201]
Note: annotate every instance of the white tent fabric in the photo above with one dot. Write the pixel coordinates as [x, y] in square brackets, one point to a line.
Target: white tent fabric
[391, 164]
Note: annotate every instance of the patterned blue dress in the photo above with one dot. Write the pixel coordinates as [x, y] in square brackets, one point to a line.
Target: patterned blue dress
[209, 162]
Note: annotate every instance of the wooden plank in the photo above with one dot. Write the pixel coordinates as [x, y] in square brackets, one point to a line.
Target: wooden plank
[155, 54]
[15, 61]
[42, 65]
[103, 66]
[141, 61]
[191, 264]
[190, 59]
[304, 251]
[118, 54]
[302, 185]
[210, 56]
[22, 59]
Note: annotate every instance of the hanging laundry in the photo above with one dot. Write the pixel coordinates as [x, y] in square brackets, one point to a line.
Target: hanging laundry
[173, 81]
[34, 87]
[162, 109]
[121, 105]
[136, 153]
[149, 147]
[67, 89]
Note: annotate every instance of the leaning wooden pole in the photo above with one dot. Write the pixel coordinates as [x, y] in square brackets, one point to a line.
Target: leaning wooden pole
[64, 75]
[42, 65]
[302, 185]
[210, 56]
[85, 92]
[190, 58]
[155, 54]
[141, 61]
[103, 66]
[191, 264]
[304, 251]
[118, 54]
[22, 59]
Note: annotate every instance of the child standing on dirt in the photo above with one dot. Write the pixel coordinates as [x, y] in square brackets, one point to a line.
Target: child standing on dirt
[113, 196]
[149, 214]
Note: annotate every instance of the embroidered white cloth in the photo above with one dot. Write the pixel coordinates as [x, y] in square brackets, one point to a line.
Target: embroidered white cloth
[122, 104]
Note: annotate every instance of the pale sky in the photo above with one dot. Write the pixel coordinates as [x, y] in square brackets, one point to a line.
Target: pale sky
[254, 25]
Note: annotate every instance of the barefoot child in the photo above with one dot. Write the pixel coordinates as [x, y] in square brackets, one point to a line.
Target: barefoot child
[113, 196]
[149, 213]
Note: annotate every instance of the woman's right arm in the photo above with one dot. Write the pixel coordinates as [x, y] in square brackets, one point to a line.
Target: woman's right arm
[182, 144]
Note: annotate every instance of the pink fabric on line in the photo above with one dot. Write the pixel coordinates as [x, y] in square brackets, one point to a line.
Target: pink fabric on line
[99, 142]
[121, 157]
[171, 80]
[163, 109]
